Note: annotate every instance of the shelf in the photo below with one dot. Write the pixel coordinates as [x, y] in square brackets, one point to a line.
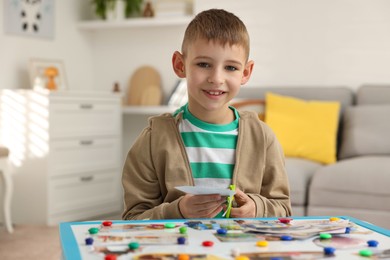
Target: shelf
[147, 110]
[95, 25]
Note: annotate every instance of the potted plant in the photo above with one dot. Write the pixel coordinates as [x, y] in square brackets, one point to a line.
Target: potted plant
[132, 8]
[103, 8]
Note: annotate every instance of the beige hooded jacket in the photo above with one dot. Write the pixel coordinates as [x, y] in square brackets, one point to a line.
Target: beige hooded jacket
[157, 163]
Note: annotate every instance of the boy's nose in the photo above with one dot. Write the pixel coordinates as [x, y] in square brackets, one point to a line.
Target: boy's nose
[216, 77]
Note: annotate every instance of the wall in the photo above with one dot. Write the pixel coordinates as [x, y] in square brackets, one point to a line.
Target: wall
[322, 42]
[301, 42]
[69, 45]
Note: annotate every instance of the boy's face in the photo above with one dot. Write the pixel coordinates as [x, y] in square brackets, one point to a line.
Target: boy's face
[214, 74]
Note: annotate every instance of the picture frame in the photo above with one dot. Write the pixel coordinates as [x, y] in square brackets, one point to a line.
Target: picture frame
[47, 74]
[30, 18]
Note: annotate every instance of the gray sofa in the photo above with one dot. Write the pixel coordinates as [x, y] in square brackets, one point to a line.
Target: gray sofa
[358, 183]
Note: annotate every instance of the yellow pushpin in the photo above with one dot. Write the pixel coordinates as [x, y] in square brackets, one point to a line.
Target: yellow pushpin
[262, 243]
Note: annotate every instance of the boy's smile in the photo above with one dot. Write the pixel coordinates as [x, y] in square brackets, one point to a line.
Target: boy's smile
[214, 73]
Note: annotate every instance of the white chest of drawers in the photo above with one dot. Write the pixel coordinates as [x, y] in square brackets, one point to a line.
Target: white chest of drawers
[66, 152]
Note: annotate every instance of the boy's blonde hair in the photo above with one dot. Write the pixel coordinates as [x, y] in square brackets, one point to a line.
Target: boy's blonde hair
[217, 25]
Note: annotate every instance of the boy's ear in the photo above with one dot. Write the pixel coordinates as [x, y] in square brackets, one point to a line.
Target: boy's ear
[247, 72]
[178, 64]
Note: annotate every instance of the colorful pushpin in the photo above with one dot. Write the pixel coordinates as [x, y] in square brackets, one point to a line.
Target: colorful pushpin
[372, 243]
[286, 238]
[169, 225]
[183, 257]
[89, 241]
[110, 257]
[222, 231]
[285, 220]
[181, 240]
[133, 245]
[365, 252]
[262, 243]
[329, 250]
[325, 236]
[107, 223]
[208, 243]
[183, 230]
[93, 230]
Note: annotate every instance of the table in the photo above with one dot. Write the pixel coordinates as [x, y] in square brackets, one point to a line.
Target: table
[224, 239]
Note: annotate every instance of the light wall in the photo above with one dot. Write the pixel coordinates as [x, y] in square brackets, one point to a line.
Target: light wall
[300, 42]
[69, 45]
[320, 42]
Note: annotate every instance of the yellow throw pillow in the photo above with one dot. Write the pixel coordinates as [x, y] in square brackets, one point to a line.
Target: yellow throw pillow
[306, 129]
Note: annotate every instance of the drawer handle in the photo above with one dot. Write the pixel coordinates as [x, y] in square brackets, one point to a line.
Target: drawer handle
[86, 142]
[86, 178]
[86, 106]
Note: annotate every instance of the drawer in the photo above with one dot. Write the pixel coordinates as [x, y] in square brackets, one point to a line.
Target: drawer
[75, 155]
[84, 191]
[84, 119]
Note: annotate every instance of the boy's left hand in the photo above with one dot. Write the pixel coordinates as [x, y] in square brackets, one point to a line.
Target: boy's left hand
[246, 206]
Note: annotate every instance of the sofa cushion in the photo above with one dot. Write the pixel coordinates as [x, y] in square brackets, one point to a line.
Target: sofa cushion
[299, 172]
[373, 95]
[366, 131]
[378, 217]
[358, 183]
[305, 129]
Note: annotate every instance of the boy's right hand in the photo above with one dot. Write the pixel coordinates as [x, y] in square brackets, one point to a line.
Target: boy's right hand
[201, 206]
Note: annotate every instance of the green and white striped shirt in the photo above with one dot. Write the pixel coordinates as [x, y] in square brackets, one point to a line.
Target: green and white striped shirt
[211, 149]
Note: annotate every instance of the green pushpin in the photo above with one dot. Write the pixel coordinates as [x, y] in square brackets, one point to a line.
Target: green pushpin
[325, 236]
[93, 230]
[134, 245]
[183, 230]
[169, 225]
[365, 252]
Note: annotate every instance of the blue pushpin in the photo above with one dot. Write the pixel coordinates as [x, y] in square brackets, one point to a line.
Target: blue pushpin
[89, 241]
[372, 243]
[181, 240]
[329, 250]
[286, 238]
[222, 231]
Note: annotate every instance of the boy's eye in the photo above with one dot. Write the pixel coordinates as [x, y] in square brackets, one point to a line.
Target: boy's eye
[231, 68]
[203, 65]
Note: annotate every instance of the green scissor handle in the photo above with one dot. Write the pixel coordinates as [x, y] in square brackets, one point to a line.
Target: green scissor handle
[230, 201]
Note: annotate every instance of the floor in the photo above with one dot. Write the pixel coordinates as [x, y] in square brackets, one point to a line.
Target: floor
[33, 242]
[30, 242]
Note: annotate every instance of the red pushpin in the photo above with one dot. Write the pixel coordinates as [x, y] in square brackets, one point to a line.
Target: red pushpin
[208, 243]
[110, 257]
[285, 220]
[107, 223]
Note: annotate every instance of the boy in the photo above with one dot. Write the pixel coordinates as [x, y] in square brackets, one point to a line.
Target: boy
[207, 142]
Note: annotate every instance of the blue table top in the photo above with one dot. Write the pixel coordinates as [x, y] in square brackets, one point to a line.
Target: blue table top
[70, 247]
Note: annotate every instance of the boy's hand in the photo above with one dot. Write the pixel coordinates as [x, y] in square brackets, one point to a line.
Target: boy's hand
[201, 206]
[246, 206]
